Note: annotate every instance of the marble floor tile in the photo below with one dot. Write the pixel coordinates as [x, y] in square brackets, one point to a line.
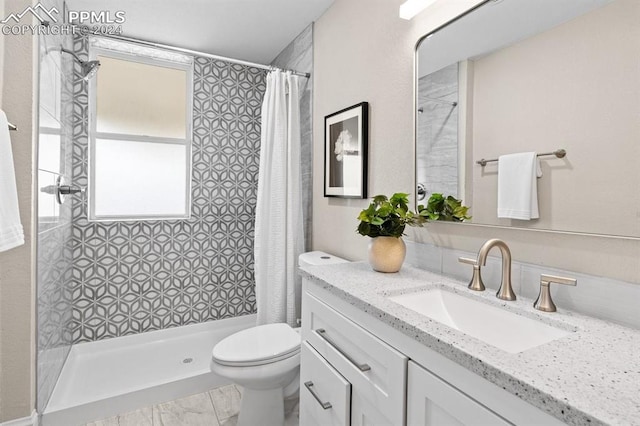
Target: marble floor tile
[231, 421]
[141, 417]
[218, 407]
[226, 401]
[111, 421]
[292, 419]
[195, 410]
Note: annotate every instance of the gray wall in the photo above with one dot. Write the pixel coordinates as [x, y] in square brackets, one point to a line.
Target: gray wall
[298, 55]
[54, 252]
[132, 277]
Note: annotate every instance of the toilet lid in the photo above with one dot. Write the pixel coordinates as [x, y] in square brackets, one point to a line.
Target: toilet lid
[258, 345]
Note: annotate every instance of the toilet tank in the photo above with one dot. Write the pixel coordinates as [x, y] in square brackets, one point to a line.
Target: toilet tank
[313, 258]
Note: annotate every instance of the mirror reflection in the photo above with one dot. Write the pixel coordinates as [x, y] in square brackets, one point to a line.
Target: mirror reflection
[535, 76]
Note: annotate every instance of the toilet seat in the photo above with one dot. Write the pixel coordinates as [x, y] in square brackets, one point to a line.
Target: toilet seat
[264, 344]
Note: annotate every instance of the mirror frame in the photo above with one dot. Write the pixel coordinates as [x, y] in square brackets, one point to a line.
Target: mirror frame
[416, 64]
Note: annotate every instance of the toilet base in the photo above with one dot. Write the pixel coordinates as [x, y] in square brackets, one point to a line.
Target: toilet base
[261, 408]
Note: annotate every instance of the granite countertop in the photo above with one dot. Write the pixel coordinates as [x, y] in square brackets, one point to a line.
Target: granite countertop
[591, 376]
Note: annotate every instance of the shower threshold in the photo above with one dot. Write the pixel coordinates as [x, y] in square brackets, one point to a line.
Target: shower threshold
[101, 379]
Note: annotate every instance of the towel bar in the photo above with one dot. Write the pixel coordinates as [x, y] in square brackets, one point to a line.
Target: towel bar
[560, 153]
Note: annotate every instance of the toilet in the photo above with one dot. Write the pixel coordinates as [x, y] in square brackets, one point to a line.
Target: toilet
[265, 361]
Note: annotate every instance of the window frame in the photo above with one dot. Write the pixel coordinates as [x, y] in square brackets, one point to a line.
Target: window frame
[93, 134]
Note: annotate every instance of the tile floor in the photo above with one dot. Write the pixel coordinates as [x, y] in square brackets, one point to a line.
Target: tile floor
[218, 407]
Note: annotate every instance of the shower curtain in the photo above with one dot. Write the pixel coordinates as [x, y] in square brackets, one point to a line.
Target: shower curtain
[279, 233]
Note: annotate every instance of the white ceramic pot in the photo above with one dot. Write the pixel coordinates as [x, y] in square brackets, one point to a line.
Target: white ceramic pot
[386, 254]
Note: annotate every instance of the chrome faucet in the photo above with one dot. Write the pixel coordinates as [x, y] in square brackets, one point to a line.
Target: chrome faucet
[505, 292]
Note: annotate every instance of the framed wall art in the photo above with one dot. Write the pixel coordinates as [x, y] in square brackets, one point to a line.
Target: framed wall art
[346, 135]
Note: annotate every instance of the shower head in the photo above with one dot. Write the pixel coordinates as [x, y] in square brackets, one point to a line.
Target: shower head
[89, 68]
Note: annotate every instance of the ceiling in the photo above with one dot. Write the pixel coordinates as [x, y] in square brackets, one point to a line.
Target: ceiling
[251, 30]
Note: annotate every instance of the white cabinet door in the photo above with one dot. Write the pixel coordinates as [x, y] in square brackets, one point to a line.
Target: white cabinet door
[433, 402]
[325, 396]
[375, 370]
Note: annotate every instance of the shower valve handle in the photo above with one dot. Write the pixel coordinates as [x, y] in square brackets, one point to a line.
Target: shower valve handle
[60, 189]
[67, 189]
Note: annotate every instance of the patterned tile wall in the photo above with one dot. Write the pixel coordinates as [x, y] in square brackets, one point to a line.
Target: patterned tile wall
[54, 308]
[132, 277]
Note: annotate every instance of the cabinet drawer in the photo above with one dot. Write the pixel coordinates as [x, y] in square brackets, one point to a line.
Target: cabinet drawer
[432, 401]
[325, 396]
[375, 370]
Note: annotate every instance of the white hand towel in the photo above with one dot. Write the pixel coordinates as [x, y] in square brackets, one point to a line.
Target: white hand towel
[11, 232]
[517, 186]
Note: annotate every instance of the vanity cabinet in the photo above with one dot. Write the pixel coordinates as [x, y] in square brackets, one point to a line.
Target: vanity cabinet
[432, 401]
[375, 371]
[391, 378]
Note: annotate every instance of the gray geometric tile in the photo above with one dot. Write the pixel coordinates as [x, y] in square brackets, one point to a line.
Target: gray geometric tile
[131, 277]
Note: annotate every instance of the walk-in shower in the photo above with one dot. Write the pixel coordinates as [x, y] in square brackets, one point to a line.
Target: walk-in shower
[133, 316]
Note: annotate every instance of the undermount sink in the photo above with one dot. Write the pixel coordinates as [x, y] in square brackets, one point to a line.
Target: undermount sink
[495, 326]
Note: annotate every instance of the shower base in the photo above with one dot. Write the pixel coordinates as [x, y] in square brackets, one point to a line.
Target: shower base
[104, 378]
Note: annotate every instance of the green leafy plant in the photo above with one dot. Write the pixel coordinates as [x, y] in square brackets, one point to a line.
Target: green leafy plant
[444, 208]
[387, 217]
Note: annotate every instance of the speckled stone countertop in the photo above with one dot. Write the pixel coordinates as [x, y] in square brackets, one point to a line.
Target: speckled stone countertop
[591, 376]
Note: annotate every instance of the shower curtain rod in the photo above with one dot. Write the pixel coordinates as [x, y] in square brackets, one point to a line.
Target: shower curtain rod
[197, 53]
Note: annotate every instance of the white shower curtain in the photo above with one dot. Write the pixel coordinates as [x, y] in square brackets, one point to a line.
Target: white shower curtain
[279, 233]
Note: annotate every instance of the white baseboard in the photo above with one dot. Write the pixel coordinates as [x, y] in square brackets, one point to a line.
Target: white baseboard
[32, 420]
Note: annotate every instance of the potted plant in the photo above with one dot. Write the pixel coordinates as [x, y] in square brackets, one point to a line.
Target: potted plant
[384, 221]
[443, 208]
[386, 218]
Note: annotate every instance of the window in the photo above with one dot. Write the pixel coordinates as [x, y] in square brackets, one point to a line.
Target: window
[140, 133]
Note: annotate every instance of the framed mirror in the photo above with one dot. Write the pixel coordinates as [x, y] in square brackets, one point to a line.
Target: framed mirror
[515, 76]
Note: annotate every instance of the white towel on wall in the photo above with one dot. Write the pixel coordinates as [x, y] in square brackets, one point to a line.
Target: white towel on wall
[11, 232]
[517, 186]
